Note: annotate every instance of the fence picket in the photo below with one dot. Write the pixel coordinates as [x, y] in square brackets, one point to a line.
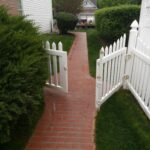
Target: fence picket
[145, 83]
[141, 77]
[106, 51]
[141, 82]
[60, 46]
[109, 70]
[55, 65]
[138, 73]
[50, 63]
[116, 62]
[105, 72]
[124, 40]
[120, 44]
[99, 78]
[113, 66]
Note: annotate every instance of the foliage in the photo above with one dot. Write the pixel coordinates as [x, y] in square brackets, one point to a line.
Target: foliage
[70, 6]
[94, 45]
[109, 3]
[23, 73]
[66, 21]
[112, 22]
[66, 40]
[121, 124]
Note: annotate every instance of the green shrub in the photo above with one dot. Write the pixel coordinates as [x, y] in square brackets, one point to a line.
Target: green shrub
[112, 22]
[66, 21]
[109, 3]
[23, 67]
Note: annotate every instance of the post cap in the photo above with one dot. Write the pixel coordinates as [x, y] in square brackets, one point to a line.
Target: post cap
[134, 24]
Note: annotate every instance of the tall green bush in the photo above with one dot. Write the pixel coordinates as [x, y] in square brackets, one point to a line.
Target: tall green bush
[112, 22]
[110, 3]
[23, 67]
[66, 21]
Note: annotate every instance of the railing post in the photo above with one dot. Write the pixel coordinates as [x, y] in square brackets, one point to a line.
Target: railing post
[131, 45]
[99, 79]
[133, 35]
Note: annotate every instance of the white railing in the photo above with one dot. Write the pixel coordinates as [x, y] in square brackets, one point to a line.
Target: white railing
[58, 68]
[131, 68]
[139, 79]
[139, 71]
[110, 70]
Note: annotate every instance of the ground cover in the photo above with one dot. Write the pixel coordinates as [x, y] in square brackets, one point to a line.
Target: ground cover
[66, 40]
[94, 45]
[122, 125]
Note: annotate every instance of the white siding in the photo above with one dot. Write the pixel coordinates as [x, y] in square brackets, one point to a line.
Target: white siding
[40, 11]
[144, 27]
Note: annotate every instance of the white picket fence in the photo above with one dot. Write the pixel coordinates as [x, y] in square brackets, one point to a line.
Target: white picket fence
[57, 65]
[130, 68]
[110, 70]
[138, 70]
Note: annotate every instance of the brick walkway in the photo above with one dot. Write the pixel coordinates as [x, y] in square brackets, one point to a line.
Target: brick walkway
[68, 119]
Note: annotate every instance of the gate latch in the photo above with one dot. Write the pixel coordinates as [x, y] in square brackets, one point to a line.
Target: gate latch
[125, 77]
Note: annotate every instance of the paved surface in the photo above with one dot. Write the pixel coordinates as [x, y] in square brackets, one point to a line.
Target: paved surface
[68, 120]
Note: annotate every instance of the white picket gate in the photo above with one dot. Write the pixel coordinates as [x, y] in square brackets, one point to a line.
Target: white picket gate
[130, 68]
[138, 70]
[110, 70]
[58, 67]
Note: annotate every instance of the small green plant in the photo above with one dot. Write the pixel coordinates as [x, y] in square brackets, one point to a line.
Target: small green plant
[66, 22]
[23, 67]
[112, 22]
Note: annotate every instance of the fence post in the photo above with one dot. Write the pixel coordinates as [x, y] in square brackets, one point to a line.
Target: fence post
[99, 79]
[131, 45]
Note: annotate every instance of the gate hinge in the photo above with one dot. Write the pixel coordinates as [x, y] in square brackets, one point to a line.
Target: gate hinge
[128, 56]
[125, 77]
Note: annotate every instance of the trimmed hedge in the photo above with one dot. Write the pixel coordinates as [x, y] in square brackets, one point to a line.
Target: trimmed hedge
[66, 21]
[112, 22]
[23, 67]
[110, 3]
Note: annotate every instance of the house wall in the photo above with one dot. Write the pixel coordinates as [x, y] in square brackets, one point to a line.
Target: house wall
[144, 26]
[12, 5]
[40, 11]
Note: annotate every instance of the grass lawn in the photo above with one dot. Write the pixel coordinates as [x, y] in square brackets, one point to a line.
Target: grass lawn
[120, 123]
[22, 133]
[67, 40]
[94, 46]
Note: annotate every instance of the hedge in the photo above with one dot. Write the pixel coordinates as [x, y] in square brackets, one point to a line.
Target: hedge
[110, 3]
[66, 21]
[112, 22]
[23, 67]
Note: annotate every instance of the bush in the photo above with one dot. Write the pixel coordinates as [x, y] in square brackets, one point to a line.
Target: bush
[113, 22]
[66, 21]
[23, 67]
[109, 3]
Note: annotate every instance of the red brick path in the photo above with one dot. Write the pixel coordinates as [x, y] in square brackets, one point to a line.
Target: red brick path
[68, 119]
